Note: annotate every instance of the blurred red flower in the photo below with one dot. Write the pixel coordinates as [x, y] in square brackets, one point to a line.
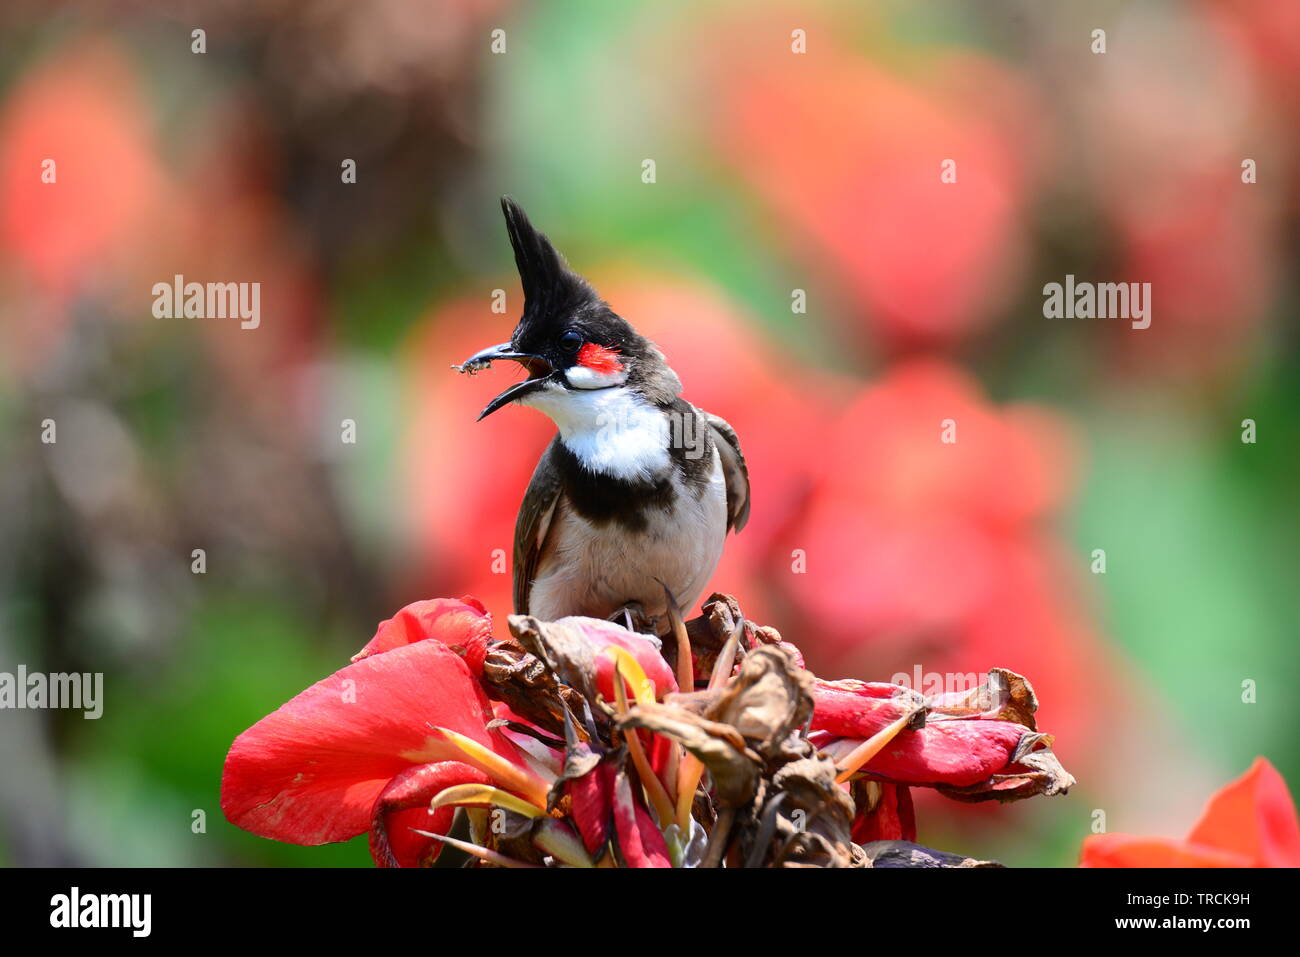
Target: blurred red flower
[1268, 33]
[1162, 148]
[935, 556]
[1250, 822]
[64, 226]
[81, 109]
[849, 155]
[1209, 253]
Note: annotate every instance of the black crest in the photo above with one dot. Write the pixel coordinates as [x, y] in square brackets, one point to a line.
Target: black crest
[550, 286]
[556, 299]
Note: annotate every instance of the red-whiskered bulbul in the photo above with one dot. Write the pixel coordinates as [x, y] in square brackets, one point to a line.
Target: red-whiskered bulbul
[639, 488]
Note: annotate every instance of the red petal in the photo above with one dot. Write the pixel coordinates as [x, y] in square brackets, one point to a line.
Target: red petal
[639, 840]
[600, 634]
[660, 749]
[1253, 816]
[957, 753]
[463, 625]
[592, 804]
[402, 847]
[654, 851]
[893, 819]
[404, 804]
[309, 772]
[855, 709]
[1125, 850]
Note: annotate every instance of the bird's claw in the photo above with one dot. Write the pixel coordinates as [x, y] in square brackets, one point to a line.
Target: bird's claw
[632, 616]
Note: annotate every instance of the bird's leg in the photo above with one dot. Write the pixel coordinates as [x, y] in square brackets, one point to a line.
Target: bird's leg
[632, 616]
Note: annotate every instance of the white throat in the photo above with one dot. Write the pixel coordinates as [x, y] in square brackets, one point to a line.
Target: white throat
[613, 431]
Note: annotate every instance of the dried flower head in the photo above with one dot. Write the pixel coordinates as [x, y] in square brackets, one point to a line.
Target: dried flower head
[582, 743]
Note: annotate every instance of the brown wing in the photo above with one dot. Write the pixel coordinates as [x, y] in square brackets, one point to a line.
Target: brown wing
[733, 469]
[533, 524]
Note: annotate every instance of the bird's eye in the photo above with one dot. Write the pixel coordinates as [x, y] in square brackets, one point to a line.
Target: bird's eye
[571, 341]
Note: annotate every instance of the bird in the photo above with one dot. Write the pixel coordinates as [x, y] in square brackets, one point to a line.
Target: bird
[631, 502]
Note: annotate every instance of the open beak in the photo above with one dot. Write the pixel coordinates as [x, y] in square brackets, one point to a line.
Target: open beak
[538, 369]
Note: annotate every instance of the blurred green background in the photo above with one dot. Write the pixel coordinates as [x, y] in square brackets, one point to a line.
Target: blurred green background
[794, 147]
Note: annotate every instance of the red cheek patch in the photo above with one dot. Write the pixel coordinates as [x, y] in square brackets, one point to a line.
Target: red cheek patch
[599, 359]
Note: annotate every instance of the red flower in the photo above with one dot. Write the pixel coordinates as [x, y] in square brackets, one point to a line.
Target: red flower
[371, 747]
[592, 797]
[639, 839]
[393, 742]
[65, 227]
[368, 747]
[463, 625]
[979, 745]
[599, 635]
[1251, 822]
[82, 109]
[939, 554]
[1268, 33]
[1171, 191]
[848, 154]
[883, 813]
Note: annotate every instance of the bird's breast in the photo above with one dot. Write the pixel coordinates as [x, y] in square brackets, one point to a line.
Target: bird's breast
[595, 566]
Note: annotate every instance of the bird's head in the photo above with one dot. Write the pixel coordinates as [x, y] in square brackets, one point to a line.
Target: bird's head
[569, 340]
